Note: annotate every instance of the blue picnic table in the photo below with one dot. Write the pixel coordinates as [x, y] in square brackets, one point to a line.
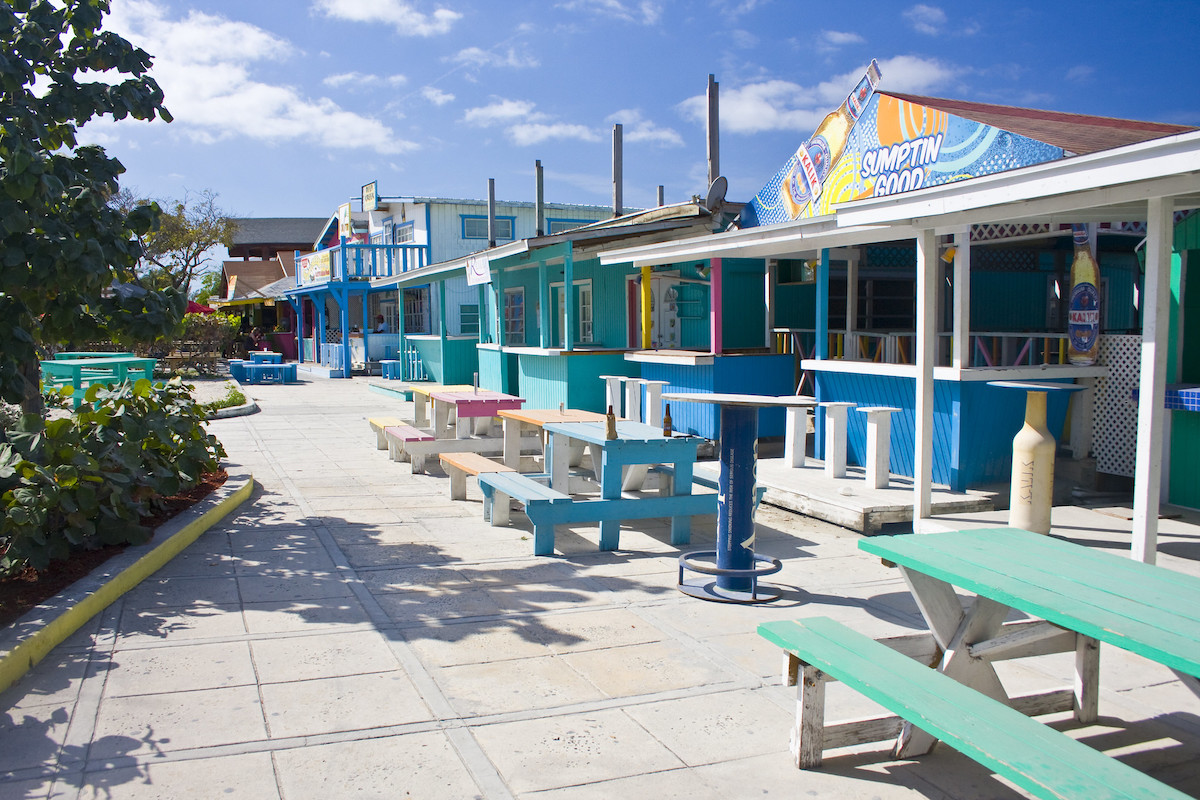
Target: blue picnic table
[636, 445]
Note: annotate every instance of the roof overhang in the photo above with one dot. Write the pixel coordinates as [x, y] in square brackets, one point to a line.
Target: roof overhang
[448, 269]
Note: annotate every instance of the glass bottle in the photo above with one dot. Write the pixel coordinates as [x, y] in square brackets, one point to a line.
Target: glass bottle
[1083, 307]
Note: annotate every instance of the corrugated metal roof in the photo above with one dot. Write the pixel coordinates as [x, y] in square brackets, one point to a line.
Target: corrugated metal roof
[1076, 133]
[278, 230]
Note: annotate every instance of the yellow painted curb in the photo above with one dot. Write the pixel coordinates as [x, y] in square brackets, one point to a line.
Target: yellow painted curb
[33, 648]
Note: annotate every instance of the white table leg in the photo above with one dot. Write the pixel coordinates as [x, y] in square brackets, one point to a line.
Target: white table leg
[420, 417]
[512, 443]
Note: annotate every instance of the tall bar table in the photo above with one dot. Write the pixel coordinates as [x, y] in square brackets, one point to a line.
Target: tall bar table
[736, 573]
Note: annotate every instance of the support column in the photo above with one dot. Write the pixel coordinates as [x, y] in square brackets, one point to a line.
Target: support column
[927, 275]
[715, 310]
[961, 346]
[1152, 386]
[646, 294]
[735, 495]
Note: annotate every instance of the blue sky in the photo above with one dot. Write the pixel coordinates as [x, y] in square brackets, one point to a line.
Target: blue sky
[287, 107]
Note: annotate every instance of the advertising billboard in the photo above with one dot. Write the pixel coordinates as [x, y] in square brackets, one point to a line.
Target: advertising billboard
[895, 146]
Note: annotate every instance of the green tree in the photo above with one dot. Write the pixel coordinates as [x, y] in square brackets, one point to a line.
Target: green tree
[67, 257]
[176, 253]
[210, 286]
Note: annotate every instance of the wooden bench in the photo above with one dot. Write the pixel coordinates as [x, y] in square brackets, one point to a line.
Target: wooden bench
[1034, 756]
[399, 436]
[548, 507]
[459, 465]
[378, 424]
[544, 506]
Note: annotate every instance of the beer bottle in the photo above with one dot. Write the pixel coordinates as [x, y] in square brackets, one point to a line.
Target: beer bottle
[816, 157]
[1083, 307]
[610, 424]
[667, 420]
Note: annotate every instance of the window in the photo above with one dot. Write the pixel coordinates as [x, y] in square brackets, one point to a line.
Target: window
[554, 226]
[403, 233]
[477, 228]
[514, 316]
[585, 313]
[468, 319]
[416, 310]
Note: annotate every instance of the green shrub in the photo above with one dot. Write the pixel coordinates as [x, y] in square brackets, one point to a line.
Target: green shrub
[86, 480]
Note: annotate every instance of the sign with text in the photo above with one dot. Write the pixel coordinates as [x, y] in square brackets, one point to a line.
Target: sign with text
[899, 146]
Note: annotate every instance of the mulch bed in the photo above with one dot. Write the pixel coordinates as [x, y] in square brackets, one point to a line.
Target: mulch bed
[21, 592]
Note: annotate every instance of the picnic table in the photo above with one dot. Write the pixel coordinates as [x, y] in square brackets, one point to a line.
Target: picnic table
[1076, 597]
[420, 395]
[80, 373]
[516, 420]
[70, 355]
[471, 405]
[637, 444]
[265, 357]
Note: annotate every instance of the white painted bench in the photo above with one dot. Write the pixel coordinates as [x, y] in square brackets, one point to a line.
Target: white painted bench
[378, 424]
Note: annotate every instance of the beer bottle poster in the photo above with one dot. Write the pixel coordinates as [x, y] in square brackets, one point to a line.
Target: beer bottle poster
[895, 146]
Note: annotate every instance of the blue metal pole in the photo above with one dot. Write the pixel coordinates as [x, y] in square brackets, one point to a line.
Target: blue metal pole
[735, 496]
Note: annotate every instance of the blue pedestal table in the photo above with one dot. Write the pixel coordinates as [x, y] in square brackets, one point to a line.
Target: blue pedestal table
[737, 567]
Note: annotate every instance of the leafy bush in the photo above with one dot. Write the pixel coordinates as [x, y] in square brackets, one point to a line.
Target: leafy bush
[86, 480]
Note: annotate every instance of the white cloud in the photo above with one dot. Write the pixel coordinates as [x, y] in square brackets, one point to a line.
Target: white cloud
[772, 105]
[840, 38]
[358, 80]
[203, 65]
[436, 96]
[636, 128]
[645, 12]
[478, 57]
[779, 105]
[1080, 72]
[527, 133]
[911, 74]
[926, 19]
[502, 111]
[399, 14]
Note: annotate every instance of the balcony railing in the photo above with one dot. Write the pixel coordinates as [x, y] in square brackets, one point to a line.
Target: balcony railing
[346, 261]
[988, 349]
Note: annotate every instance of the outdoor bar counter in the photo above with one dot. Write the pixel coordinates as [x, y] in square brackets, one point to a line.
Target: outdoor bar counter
[973, 423]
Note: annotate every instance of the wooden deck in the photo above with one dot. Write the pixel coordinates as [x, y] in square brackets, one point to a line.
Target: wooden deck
[850, 501]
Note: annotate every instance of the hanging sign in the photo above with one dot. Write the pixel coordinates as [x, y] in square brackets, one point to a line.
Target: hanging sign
[479, 271]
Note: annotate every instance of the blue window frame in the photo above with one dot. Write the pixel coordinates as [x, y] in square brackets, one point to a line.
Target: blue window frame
[403, 232]
[554, 225]
[476, 227]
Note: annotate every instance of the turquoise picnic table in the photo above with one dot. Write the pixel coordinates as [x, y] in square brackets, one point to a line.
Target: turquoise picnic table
[1076, 598]
[69, 355]
[80, 373]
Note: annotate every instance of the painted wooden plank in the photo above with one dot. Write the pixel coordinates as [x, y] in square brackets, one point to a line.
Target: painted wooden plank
[1119, 605]
[1035, 757]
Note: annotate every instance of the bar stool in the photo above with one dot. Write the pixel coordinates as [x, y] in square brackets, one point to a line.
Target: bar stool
[879, 444]
[633, 399]
[612, 392]
[835, 437]
[795, 441]
[654, 407]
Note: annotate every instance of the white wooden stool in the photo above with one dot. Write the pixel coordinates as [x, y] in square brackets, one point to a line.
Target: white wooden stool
[879, 444]
[654, 408]
[795, 441]
[835, 437]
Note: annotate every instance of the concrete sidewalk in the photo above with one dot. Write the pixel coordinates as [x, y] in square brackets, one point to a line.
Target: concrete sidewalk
[352, 632]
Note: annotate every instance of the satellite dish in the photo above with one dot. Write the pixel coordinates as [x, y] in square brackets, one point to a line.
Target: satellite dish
[716, 193]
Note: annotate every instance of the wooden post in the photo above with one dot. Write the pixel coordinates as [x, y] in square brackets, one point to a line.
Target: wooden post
[646, 273]
[927, 274]
[1152, 387]
[715, 304]
[961, 348]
